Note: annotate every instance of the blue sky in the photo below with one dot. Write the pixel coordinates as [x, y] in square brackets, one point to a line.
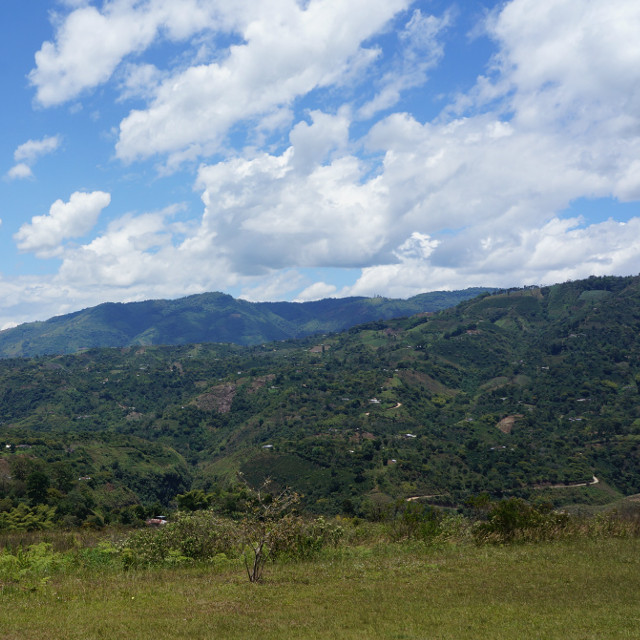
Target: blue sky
[298, 149]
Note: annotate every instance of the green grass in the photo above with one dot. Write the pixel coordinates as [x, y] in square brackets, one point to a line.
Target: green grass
[586, 589]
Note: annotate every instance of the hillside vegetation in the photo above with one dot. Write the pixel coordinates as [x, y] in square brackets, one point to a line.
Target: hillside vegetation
[209, 317]
[527, 393]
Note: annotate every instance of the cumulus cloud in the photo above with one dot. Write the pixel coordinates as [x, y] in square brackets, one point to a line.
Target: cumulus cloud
[288, 51]
[276, 286]
[44, 234]
[558, 251]
[571, 56]
[469, 199]
[308, 206]
[89, 43]
[137, 255]
[140, 81]
[28, 153]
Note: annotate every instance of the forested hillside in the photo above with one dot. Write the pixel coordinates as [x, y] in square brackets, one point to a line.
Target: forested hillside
[521, 393]
[210, 317]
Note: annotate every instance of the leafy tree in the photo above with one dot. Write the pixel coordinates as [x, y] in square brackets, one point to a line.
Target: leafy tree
[37, 486]
[194, 500]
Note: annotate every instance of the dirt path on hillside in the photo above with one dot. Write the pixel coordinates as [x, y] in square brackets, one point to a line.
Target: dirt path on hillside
[538, 486]
[568, 486]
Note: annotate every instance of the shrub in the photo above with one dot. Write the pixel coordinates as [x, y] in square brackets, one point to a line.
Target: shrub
[267, 532]
[299, 538]
[415, 521]
[34, 565]
[196, 536]
[24, 518]
[516, 520]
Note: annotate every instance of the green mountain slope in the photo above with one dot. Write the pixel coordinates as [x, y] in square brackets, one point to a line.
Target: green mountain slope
[528, 392]
[209, 317]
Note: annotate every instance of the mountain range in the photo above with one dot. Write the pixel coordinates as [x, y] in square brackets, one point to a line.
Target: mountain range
[210, 317]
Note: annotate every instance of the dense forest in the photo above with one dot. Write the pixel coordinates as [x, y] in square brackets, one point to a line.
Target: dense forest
[527, 393]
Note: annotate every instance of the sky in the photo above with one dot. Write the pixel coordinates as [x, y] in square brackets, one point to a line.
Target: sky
[302, 149]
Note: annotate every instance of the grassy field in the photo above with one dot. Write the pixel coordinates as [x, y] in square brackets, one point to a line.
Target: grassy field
[586, 589]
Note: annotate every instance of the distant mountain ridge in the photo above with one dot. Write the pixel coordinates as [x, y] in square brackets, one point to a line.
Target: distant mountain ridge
[211, 317]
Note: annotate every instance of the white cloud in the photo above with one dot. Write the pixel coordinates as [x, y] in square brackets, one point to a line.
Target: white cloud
[558, 251]
[316, 291]
[28, 153]
[89, 43]
[288, 51]
[88, 47]
[276, 286]
[421, 50]
[463, 200]
[315, 204]
[137, 257]
[123, 256]
[571, 55]
[140, 81]
[308, 206]
[20, 171]
[312, 143]
[140, 254]
[72, 219]
[31, 150]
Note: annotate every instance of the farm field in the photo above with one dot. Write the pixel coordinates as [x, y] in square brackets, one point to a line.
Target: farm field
[583, 589]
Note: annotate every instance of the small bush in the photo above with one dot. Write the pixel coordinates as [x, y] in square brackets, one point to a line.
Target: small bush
[33, 565]
[414, 521]
[298, 538]
[515, 520]
[197, 536]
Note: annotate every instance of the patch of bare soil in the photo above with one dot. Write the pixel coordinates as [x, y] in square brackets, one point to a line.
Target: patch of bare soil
[506, 424]
[218, 398]
[259, 382]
